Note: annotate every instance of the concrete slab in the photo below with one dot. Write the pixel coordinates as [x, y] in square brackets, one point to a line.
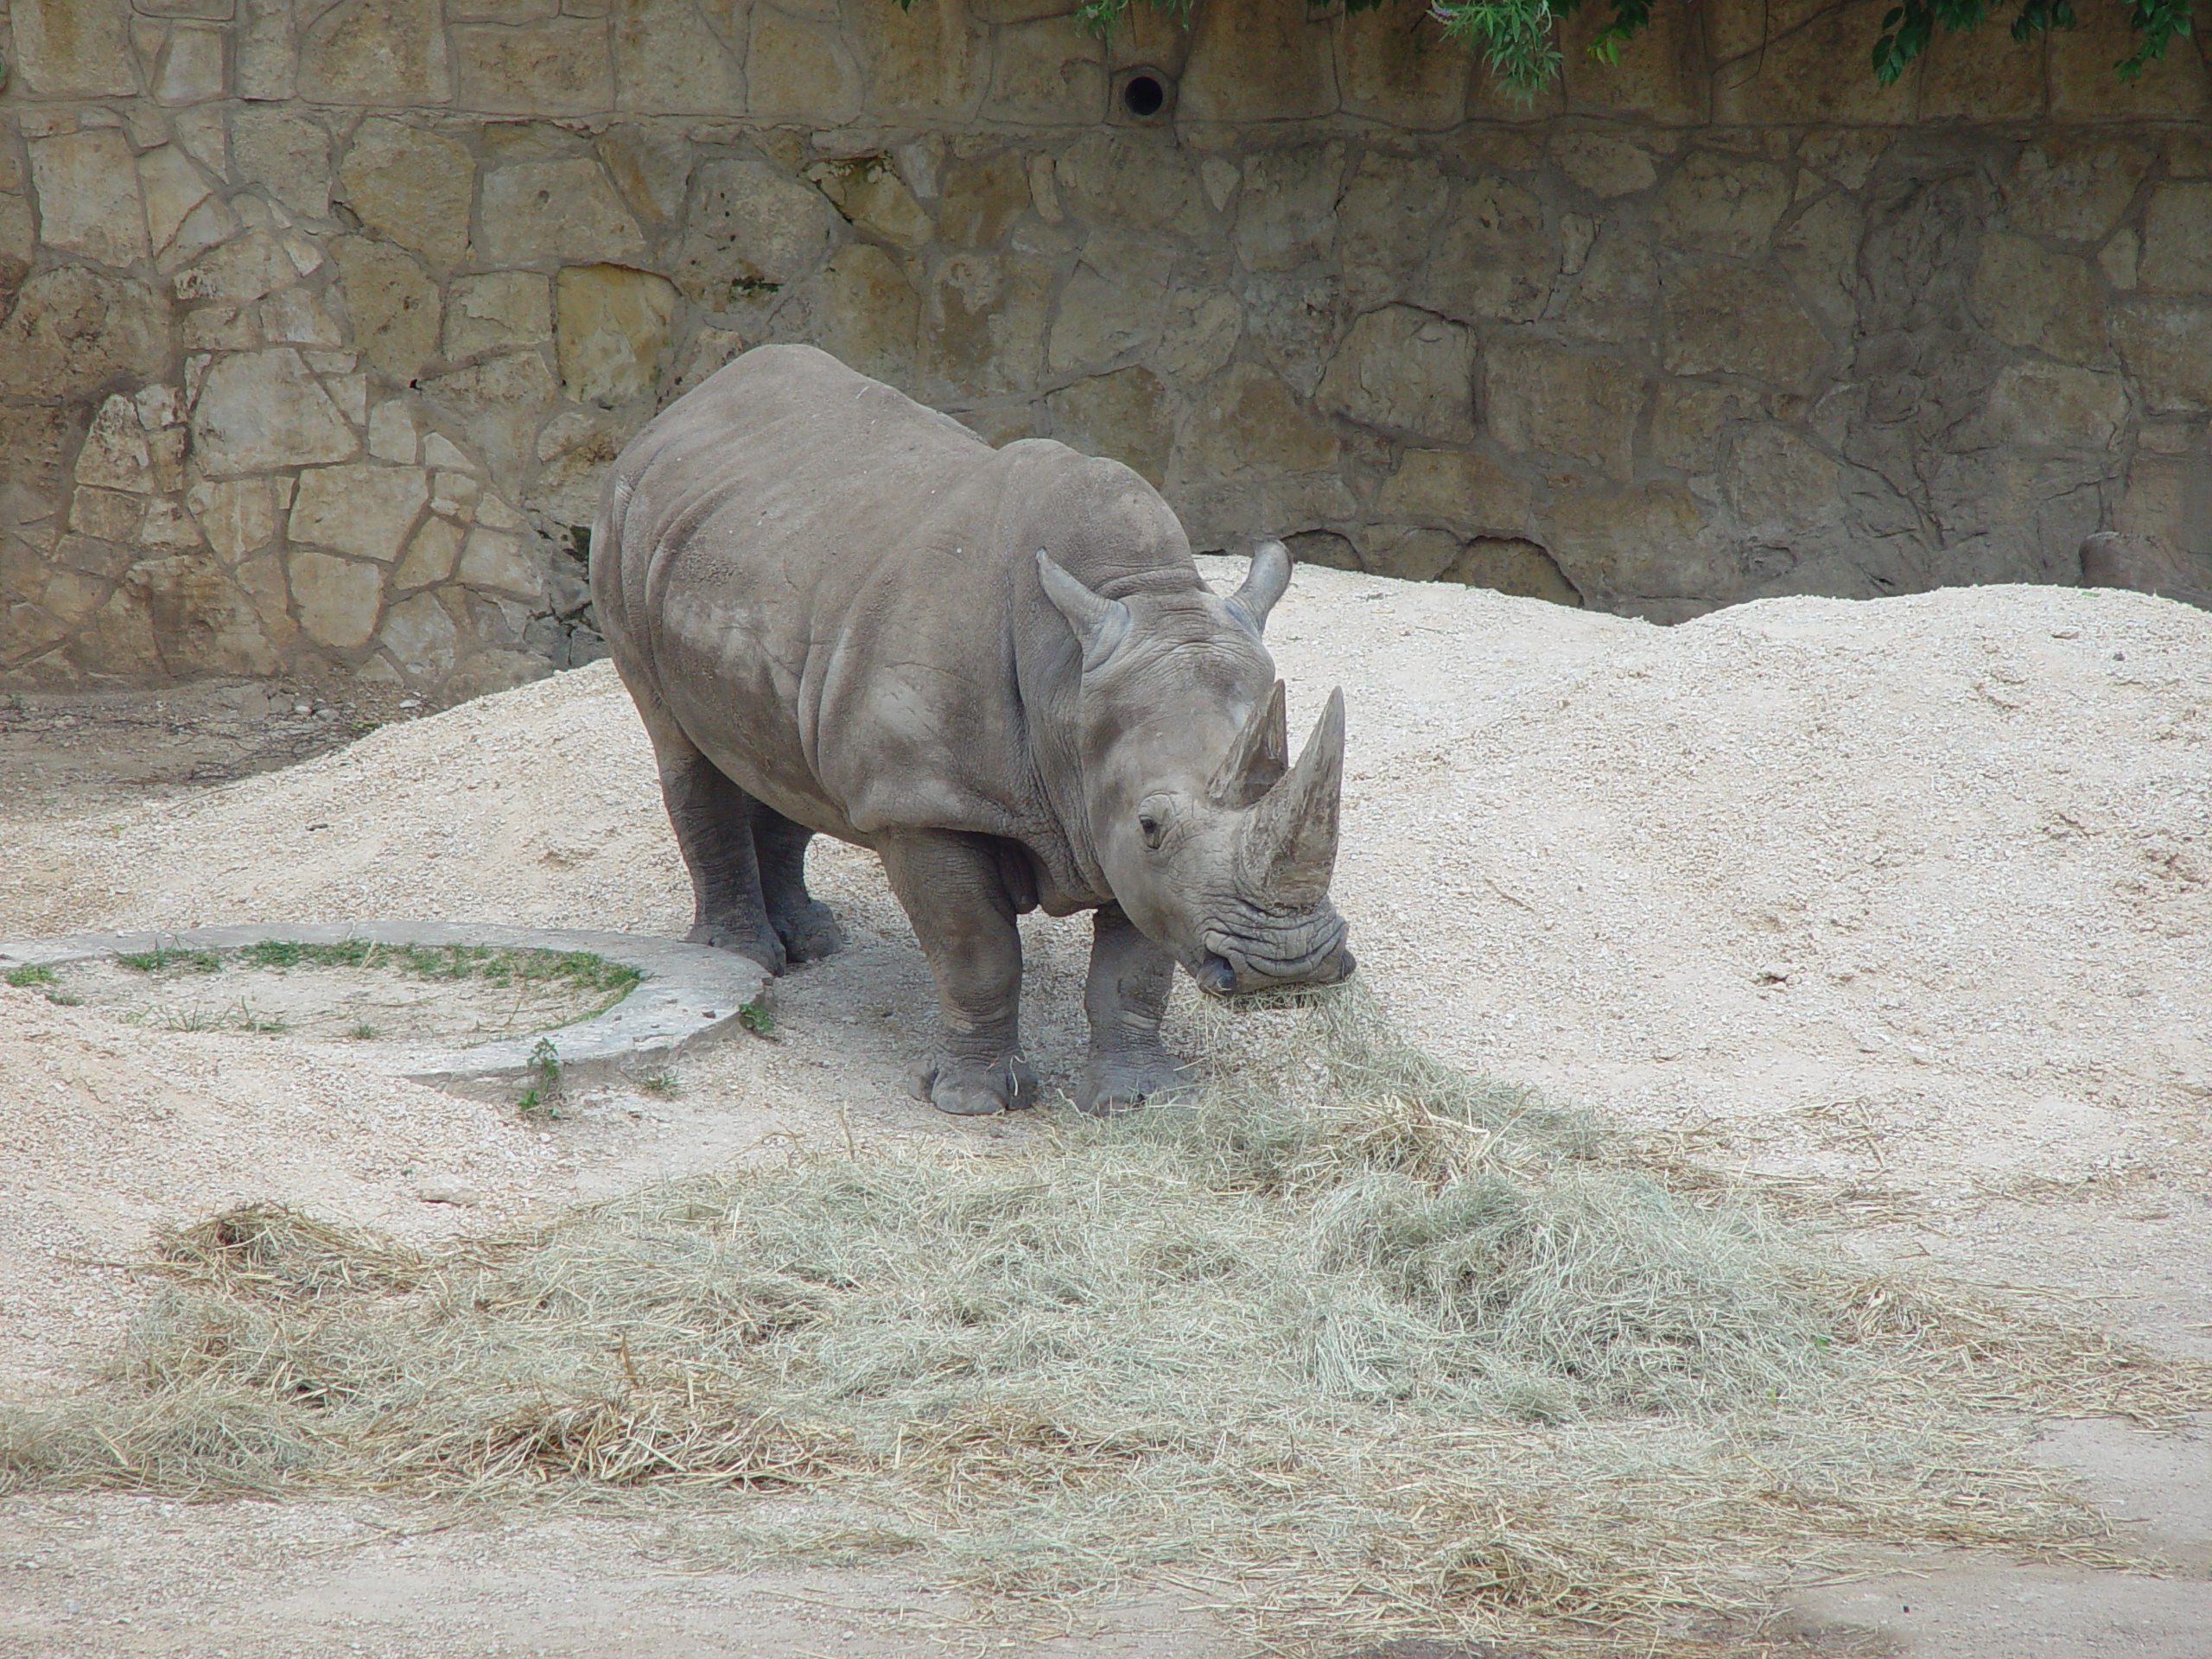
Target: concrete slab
[688, 992]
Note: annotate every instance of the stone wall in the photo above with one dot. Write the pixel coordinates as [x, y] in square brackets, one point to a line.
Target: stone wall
[324, 318]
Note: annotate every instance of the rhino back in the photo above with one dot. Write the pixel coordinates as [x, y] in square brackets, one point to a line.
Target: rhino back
[830, 589]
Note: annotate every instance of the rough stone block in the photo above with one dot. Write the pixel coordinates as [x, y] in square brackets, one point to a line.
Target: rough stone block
[1820, 249]
[575, 449]
[1607, 164]
[501, 402]
[668, 61]
[171, 186]
[2082, 82]
[754, 228]
[1511, 564]
[1720, 202]
[1256, 60]
[286, 153]
[1543, 398]
[338, 600]
[1389, 215]
[1622, 547]
[555, 210]
[495, 560]
[2052, 406]
[1286, 213]
[1140, 182]
[238, 272]
[1111, 304]
[983, 197]
[983, 324]
[431, 556]
[1982, 76]
[799, 70]
[1725, 319]
[2167, 346]
[868, 192]
[387, 52]
[865, 313]
[238, 516]
[1495, 260]
[393, 305]
[1123, 416]
[297, 316]
[1394, 66]
[364, 509]
[922, 58]
[1248, 424]
[497, 311]
[2040, 301]
[558, 67]
[73, 329]
[1779, 486]
[106, 515]
[1048, 72]
[1200, 333]
[652, 168]
[1616, 293]
[1661, 74]
[1813, 72]
[2178, 241]
[2075, 186]
[257, 411]
[115, 456]
[190, 70]
[411, 186]
[70, 49]
[1403, 371]
[88, 199]
[613, 331]
[420, 636]
[1452, 487]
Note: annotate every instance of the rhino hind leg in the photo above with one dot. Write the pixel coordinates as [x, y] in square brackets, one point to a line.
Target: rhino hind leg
[802, 922]
[953, 889]
[1126, 997]
[714, 822]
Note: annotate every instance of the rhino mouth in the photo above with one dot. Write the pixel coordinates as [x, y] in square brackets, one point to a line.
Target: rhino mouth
[1242, 958]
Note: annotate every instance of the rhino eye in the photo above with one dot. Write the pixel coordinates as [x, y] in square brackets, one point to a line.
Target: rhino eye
[1148, 821]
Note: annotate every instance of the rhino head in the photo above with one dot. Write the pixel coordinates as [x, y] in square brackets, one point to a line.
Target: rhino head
[1214, 844]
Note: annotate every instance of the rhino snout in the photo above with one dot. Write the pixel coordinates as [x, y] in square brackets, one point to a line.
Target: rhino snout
[1219, 976]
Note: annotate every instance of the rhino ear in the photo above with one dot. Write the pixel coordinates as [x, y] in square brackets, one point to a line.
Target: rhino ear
[1100, 625]
[1265, 578]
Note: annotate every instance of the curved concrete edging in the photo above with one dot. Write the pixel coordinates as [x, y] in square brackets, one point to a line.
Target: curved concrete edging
[688, 992]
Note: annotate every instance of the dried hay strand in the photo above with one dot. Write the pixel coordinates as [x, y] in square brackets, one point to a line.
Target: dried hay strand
[1365, 1345]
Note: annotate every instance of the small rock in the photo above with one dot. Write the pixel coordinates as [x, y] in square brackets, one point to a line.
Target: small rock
[451, 1192]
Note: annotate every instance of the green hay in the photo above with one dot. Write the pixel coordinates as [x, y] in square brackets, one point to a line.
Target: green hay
[1369, 1347]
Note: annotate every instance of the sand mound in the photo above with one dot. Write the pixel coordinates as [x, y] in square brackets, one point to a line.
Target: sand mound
[1918, 885]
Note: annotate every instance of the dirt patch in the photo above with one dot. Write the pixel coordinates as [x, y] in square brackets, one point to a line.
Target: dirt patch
[1905, 903]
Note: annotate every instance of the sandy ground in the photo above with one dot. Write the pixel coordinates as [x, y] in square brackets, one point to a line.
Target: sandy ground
[1912, 898]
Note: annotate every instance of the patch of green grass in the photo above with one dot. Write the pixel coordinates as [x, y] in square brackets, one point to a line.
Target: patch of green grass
[364, 1032]
[31, 974]
[756, 1019]
[661, 1082]
[542, 1098]
[162, 958]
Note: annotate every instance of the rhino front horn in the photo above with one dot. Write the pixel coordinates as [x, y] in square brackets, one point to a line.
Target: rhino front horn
[1292, 846]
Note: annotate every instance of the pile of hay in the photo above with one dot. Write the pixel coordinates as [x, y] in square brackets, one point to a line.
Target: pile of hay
[1376, 1347]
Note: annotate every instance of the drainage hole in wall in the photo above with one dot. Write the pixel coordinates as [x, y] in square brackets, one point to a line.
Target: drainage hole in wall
[1143, 96]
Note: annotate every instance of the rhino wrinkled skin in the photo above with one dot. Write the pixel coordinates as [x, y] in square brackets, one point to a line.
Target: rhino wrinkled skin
[842, 613]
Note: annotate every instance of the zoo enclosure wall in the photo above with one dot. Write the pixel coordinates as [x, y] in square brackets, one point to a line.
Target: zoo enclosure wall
[323, 321]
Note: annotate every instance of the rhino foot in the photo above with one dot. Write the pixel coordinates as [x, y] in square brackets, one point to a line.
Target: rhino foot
[977, 1088]
[1121, 1083]
[809, 933]
[757, 943]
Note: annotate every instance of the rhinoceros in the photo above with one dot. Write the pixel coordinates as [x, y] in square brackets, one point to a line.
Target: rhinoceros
[841, 613]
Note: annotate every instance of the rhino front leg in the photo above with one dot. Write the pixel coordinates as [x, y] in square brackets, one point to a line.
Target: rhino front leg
[1126, 997]
[713, 822]
[802, 922]
[952, 890]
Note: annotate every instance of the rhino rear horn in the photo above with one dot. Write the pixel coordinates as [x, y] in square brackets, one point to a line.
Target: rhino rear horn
[1100, 624]
[1265, 578]
[1291, 847]
[1258, 758]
